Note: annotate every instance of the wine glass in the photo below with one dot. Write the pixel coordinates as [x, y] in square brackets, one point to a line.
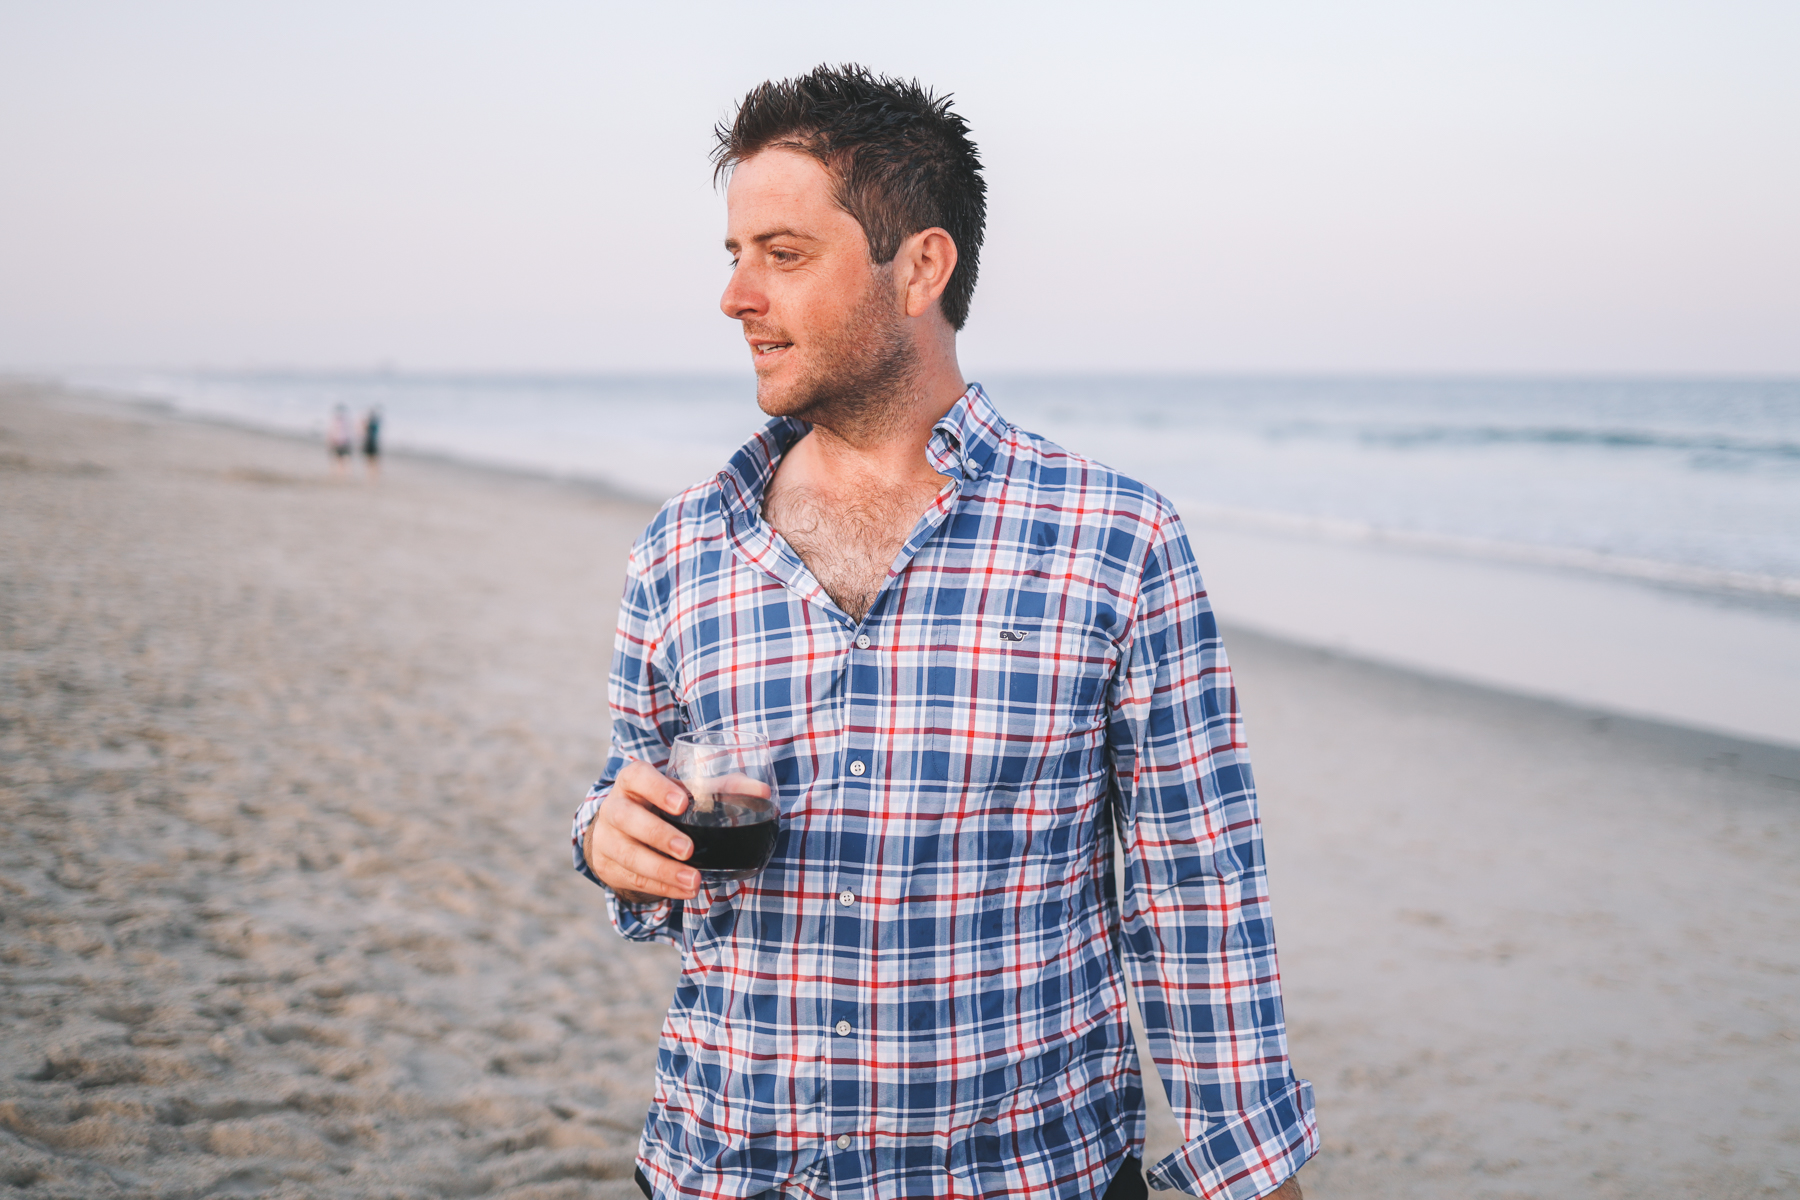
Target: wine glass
[731, 814]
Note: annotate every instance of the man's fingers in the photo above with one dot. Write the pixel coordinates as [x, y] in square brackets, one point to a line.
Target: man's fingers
[641, 825]
[639, 869]
[635, 869]
[643, 782]
[632, 849]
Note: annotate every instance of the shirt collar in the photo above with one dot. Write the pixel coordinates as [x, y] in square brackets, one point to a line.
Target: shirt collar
[965, 440]
[747, 475]
[963, 443]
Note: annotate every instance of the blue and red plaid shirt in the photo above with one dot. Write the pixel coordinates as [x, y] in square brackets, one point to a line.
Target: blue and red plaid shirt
[923, 995]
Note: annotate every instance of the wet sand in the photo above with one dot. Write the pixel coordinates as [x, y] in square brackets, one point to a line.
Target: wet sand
[286, 765]
[1560, 634]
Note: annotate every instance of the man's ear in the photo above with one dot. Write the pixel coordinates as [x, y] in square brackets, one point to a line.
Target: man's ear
[924, 261]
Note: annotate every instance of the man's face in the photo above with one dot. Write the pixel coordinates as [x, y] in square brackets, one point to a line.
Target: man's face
[825, 328]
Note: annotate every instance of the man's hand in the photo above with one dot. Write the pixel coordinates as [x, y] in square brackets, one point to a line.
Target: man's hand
[635, 852]
[1288, 1191]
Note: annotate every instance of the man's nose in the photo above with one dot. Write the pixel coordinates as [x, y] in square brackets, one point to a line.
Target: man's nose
[742, 298]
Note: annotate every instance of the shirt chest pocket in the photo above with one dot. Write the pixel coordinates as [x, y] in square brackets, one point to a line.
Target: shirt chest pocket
[1012, 699]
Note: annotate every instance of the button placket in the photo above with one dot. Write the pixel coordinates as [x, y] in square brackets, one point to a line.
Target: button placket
[863, 708]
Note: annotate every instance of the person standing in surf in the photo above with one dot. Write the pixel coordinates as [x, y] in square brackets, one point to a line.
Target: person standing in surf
[338, 441]
[371, 442]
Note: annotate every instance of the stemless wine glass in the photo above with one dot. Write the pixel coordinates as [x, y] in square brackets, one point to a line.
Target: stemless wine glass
[731, 814]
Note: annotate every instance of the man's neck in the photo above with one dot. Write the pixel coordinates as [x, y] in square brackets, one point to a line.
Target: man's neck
[846, 498]
[832, 460]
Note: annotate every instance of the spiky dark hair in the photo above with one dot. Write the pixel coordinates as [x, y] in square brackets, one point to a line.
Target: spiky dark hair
[899, 158]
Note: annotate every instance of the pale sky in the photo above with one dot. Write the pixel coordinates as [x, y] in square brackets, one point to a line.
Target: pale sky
[1379, 186]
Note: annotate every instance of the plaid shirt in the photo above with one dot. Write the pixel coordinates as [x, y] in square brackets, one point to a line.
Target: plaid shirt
[922, 994]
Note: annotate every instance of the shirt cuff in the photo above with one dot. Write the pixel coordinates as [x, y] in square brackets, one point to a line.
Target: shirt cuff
[654, 921]
[584, 817]
[1247, 1154]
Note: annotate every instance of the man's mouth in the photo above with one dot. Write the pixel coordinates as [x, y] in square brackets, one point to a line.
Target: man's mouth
[762, 348]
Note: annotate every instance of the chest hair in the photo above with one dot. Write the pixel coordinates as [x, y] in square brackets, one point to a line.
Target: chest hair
[848, 541]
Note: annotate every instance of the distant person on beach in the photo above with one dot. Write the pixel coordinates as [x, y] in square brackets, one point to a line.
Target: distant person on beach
[980, 659]
[371, 442]
[339, 440]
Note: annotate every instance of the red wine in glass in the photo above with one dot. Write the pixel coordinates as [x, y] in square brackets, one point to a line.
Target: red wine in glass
[732, 814]
[733, 851]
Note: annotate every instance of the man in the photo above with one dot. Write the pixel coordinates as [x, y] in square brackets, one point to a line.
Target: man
[979, 659]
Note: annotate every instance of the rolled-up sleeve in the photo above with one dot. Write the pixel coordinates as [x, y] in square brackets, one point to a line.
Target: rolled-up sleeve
[646, 716]
[1195, 922]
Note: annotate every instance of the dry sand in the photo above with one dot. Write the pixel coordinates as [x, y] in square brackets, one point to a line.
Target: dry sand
[286, 767]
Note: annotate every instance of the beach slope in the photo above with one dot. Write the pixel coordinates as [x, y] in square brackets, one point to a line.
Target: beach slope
[286, 766]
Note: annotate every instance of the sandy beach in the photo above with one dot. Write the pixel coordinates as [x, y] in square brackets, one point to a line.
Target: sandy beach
[286, 767]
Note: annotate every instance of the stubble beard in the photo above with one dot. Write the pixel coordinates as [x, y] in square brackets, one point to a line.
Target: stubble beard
[860, 382]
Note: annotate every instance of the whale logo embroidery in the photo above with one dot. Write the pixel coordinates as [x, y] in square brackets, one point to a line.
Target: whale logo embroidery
[1014, 635]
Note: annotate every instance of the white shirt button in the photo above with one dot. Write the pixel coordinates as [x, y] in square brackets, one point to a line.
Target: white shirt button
[846, 897]
[843, 1141]
[857, 768]
[843, 1028]
[862, 641]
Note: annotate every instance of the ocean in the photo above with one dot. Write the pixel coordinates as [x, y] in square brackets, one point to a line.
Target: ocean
[1694, 482]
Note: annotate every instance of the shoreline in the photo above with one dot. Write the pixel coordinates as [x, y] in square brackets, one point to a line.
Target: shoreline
[169, 411]
[1617, 646]
[1690, 745]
